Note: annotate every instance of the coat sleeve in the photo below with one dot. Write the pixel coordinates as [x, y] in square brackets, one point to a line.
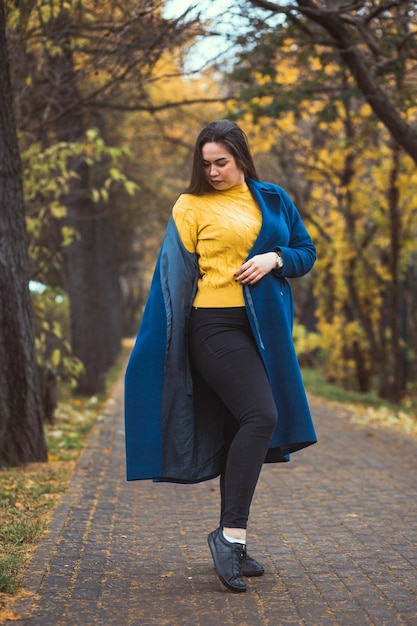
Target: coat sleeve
[300, 253]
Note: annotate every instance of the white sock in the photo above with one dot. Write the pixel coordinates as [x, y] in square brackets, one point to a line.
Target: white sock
[232, 539]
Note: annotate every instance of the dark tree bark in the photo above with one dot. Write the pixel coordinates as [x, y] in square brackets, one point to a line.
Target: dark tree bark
[395, 295]
[21, 424]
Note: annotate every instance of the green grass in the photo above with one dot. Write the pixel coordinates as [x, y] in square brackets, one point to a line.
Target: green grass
[368, 407]
[316, 384]
[10, 566]
[17, 533]
[26, 498]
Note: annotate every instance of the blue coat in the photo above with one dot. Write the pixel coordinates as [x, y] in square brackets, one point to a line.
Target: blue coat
[174, 423]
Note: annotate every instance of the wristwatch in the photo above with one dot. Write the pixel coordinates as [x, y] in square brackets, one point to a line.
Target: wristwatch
[279, 263]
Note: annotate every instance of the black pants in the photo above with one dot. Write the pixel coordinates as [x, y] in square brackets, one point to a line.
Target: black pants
[224, 352]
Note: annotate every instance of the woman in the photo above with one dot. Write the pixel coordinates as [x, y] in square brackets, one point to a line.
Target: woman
[213, 385]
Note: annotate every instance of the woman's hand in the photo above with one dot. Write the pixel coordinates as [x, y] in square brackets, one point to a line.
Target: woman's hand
[256, 268]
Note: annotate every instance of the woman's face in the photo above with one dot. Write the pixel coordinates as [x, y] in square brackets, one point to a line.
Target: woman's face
[220, 167]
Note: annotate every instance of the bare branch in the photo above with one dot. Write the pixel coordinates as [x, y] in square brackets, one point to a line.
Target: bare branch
[382, 8]
[406, 39]
[275, 8]
[368, 38]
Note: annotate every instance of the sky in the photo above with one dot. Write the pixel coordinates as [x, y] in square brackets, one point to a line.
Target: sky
[226, 20]
[209, 47]
[211, 8]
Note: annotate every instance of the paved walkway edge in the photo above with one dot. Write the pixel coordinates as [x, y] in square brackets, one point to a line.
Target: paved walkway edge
[37, 566]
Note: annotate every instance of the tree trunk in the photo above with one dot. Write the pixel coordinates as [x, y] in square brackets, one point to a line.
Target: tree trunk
[394, 310]
[90, 277]
[92, 284]
[21, 424]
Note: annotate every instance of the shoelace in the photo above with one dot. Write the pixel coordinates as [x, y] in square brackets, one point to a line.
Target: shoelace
[241, 550]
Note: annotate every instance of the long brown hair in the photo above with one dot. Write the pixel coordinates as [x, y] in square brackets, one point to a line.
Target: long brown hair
[232, 137]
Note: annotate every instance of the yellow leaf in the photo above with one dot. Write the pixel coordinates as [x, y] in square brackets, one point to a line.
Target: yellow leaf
[10, 616]
[56, 358]
[57, 210]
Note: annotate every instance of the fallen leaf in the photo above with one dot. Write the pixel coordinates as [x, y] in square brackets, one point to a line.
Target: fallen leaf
[9, 615]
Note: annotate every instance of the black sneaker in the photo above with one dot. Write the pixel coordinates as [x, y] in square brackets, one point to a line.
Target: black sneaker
[251, 567]
[228, 558]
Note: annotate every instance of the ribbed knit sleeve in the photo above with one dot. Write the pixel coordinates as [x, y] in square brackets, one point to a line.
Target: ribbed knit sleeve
[186, 222]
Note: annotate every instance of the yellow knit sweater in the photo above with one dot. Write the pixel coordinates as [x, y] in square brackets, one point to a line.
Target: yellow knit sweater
[221, 227]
